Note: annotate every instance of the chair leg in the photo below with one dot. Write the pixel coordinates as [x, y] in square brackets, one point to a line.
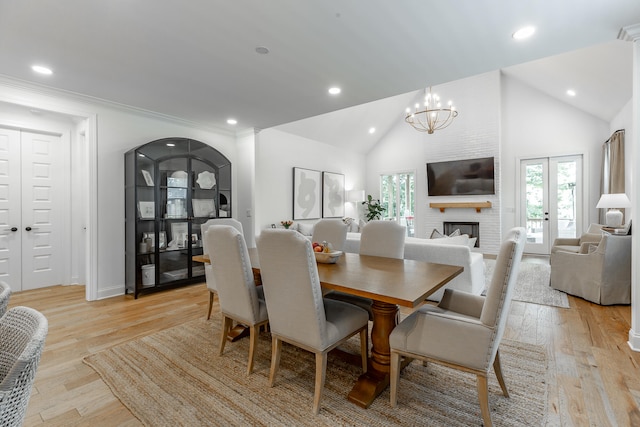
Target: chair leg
[254, 331]
[226, 328]
[394, 377]
[276, 346]
[321, 370]
[364, 348]
[483, 397]
[211, 294]
[498, 370]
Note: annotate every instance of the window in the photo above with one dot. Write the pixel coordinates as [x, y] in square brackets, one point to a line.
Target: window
[397, 196]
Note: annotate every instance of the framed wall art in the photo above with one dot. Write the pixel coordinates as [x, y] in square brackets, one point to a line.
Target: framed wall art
[306, 193]
[332, 195]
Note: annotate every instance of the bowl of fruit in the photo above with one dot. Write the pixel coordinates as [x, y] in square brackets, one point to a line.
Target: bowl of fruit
[325, 254]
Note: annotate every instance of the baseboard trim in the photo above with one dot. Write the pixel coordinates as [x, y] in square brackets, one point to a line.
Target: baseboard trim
[634, 340]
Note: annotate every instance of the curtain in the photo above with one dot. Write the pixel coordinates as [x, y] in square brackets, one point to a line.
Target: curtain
[612, 168]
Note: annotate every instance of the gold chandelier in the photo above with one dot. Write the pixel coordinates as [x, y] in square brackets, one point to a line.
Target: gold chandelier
[433, 116]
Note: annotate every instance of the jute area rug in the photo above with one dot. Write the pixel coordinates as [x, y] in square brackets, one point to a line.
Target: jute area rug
[176, 378]
[532, 284]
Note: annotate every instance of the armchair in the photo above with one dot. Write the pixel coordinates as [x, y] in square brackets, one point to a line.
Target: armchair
[602, 276]
[567, 244]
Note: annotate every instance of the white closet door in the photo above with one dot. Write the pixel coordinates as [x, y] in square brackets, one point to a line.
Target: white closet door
[43, 201]
[10, 209]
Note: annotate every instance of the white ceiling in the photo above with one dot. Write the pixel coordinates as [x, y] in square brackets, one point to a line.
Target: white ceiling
[196, 59]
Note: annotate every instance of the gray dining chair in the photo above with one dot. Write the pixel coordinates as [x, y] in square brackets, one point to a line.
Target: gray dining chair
[378, 238]
[332, 231]
[211, 285]
[239, 297]
[298, 314]
[5, 294]
[464, 331]
[23, 332]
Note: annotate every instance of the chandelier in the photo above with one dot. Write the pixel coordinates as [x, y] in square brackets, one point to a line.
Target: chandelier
[433, 116]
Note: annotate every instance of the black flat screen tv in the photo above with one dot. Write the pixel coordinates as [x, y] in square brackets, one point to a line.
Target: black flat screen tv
[461, 177]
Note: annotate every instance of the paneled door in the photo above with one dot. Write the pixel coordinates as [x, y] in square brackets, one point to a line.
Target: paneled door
[551, 200]
[33, 183]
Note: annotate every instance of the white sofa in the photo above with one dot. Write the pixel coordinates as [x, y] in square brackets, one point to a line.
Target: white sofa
[451, 251]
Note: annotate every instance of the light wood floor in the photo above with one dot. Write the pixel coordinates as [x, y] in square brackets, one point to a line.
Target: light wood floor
[594, 376]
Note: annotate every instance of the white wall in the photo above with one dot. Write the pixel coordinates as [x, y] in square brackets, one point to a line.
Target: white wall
[245, 168]
[118, 130]
[277, 153]
[474, 133]
[537, 125]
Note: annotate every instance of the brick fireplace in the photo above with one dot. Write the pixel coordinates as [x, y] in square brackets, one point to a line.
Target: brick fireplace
[470, 228]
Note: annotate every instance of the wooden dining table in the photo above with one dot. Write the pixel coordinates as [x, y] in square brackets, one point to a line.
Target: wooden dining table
[389, 283]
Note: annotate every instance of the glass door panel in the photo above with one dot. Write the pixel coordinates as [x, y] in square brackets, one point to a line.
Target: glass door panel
[551, 191]
[397, 194]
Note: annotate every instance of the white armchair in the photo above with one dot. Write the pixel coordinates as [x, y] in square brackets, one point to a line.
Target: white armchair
[602, 275]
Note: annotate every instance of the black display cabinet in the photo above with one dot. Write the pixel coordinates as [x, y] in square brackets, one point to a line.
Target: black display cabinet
[172, 187]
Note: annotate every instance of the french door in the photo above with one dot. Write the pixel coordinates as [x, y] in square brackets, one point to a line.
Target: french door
[33, 193]
[551, 200]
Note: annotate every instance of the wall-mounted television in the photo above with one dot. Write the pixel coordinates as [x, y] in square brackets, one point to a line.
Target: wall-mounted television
[461, 177]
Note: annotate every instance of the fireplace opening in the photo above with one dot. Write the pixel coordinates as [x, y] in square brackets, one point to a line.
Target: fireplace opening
[470, 228]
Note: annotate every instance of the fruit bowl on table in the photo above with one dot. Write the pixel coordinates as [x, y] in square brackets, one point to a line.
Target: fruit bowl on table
[328, 257]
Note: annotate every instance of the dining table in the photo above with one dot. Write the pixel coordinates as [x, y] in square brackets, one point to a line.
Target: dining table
[389, 283]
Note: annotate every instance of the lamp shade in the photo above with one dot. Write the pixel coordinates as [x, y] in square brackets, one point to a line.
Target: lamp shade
[355, 196]
[614, 201]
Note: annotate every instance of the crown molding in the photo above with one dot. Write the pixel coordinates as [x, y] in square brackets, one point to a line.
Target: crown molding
[48, 91]
[630, 33]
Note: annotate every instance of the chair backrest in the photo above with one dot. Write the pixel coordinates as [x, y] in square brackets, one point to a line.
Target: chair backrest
[292, 287]
[500, 291]
[232, 273]
[22, 335]
[383, 238]
[333, 231]
[5, 294]
[218, 221]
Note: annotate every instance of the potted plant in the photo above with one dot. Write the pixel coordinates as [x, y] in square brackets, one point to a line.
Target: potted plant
[374, 208]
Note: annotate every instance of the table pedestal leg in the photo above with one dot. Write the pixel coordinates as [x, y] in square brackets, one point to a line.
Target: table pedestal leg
[371, 384]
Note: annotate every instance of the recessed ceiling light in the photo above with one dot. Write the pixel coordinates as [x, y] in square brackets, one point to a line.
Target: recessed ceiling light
[232, 121]
[262, 50]
[42, 70]
[571, 92]
[372, 130]
[334, 90]
[170, 144]
[524, 33]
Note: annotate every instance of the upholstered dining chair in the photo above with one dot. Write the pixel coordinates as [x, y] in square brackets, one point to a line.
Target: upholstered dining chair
[298, 314]
[239, 297]
[211, 285]
[378, 238]
[23, 332]
[331, 230]
[5, 294]
[464, 330]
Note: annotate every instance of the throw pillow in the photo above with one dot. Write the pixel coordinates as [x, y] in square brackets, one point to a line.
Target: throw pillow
[455, 240]
[435, 234]
[472, 242]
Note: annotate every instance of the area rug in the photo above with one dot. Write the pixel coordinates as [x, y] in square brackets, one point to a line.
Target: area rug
[532, 284]
[176, 378]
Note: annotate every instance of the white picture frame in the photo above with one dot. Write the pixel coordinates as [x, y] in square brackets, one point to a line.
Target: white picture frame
[306, 193]
[332, 195]
[147, 210]
[179, 234]
[147, 177]
[204, 208]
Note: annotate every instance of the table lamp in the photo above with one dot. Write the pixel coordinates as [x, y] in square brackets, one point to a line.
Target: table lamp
[614, 202]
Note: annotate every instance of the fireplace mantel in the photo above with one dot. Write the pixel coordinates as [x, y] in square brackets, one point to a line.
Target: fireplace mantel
[478, 206]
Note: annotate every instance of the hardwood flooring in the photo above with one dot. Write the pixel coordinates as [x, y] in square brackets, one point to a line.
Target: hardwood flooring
[594, 376]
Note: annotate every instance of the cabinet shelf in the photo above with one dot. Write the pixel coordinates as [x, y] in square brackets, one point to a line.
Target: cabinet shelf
[478, 206]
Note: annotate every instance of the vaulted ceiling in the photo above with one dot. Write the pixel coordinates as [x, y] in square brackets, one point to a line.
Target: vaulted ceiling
[197, 59]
